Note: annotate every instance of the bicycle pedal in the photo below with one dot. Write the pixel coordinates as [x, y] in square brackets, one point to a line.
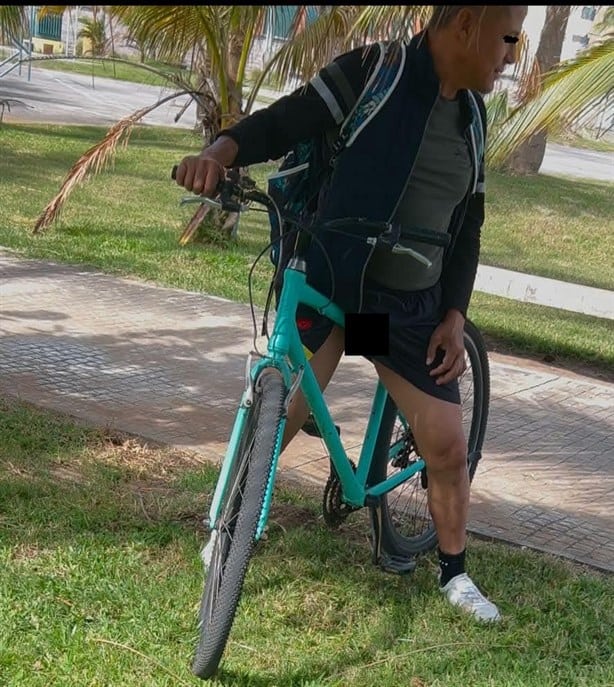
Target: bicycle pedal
[397, 565]
[312, 430]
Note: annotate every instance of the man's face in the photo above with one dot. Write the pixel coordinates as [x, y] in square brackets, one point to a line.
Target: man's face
[488, 50]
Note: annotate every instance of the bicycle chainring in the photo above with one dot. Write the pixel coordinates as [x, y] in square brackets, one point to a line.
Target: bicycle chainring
[335, 511]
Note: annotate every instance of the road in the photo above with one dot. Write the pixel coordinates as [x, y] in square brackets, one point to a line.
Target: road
[60, 97]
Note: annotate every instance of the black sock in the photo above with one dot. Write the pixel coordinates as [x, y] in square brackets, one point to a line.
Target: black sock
[450, 565]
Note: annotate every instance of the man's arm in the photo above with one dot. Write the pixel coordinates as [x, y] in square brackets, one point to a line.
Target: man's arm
[457, 280]
[321, 104]
[458, 276]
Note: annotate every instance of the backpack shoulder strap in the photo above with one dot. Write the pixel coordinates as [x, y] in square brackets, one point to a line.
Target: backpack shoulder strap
[477, 125]
[478, 137]
[378, 88]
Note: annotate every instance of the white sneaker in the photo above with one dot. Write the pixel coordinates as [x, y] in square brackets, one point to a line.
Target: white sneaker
[460, 591]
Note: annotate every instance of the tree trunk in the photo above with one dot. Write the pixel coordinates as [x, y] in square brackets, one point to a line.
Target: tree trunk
[235, 96]
[528, 157]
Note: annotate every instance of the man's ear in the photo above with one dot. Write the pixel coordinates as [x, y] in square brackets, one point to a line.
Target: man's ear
[466, 24]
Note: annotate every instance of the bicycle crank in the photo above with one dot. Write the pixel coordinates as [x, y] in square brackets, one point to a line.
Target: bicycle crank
[334, 509]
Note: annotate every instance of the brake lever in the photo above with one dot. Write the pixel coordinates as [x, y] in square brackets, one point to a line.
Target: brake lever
[230, 192]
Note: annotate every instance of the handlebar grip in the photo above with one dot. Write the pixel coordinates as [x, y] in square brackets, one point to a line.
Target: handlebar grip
[174, 172]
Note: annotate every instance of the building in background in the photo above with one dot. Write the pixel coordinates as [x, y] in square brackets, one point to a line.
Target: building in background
[581, 20]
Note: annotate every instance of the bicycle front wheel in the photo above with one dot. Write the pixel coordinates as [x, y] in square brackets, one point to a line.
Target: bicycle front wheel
[406, 526]
[233, 539]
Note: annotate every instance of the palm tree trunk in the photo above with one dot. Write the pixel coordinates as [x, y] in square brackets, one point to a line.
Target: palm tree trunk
[528, 157]
[235, 96]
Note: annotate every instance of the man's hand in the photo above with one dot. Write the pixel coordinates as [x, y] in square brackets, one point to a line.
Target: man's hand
[449, 337]
[203, 173]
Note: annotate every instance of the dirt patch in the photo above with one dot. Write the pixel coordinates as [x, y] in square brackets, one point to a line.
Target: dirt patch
[143, 457]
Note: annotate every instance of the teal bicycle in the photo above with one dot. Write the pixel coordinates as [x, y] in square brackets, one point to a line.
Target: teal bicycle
[390, 478]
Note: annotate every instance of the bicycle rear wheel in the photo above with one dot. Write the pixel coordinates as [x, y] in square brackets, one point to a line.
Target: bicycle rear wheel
[406, 527]
[233, 540]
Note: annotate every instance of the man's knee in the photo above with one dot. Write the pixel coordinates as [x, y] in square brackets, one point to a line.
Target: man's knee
[447, 457]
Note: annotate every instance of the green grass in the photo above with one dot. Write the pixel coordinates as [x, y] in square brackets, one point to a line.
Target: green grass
[554, 227]
[100, 580]
[127, 221]
[110, 70]
[601, 145]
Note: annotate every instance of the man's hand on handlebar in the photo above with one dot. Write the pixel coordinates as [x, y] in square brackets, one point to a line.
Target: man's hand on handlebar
[202, 175]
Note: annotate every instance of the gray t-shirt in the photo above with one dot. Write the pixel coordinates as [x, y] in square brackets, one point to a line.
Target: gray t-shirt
[437, 184]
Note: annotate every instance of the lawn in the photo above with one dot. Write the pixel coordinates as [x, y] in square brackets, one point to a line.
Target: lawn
[128, 221]
[100, 582]
[605, 144]
[124, 71]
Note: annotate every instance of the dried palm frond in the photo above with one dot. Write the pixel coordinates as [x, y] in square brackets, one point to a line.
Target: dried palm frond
[526, 71]
[190, 231]
[95, 159]
[389, 22]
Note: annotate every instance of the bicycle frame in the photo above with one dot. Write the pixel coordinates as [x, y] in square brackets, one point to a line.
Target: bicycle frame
[285, 345]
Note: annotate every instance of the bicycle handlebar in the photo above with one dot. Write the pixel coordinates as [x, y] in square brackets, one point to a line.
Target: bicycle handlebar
[235, 193]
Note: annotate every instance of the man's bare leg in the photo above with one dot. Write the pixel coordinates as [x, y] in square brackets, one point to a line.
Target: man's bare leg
[324, 363]
[437, 429]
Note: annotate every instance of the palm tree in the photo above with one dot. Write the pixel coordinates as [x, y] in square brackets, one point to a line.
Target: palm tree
[13, 22]
[529, 155]
[93, 30]
[563, 95]
[219, 39]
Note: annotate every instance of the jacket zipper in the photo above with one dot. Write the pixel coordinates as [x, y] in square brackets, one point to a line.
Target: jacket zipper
[411, 171]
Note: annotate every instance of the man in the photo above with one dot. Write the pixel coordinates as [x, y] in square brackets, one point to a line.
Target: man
[417, 164]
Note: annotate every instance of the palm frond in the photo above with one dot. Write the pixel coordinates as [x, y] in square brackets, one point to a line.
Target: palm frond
[172, 30]
[388, 22]
[497, 109]
[308, 50]
[95, 159]
[13, 21]
[46, 10]
[568, 91]
[526, 71]
[338, 29]
[192, 227]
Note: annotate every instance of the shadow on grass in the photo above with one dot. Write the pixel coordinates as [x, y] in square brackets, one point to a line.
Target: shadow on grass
[65, 485]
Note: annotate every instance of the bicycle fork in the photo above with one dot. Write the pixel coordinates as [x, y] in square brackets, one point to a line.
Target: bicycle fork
[247, 400]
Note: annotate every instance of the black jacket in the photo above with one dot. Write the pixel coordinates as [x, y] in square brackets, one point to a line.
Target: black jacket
[371, 173]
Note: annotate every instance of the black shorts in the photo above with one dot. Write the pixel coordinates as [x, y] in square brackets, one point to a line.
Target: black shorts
[414, 315]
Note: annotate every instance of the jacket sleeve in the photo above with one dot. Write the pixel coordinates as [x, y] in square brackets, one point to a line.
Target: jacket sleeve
[321, 104]
[458, 276]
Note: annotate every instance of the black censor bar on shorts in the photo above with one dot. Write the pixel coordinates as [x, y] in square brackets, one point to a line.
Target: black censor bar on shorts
[367, 334]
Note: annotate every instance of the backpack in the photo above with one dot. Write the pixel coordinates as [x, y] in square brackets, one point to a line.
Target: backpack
[305, 169]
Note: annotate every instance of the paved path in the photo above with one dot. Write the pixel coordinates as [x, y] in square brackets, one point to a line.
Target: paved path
[168, 365]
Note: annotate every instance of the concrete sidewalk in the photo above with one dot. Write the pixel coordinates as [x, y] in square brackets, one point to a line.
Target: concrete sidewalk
[168, 365]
